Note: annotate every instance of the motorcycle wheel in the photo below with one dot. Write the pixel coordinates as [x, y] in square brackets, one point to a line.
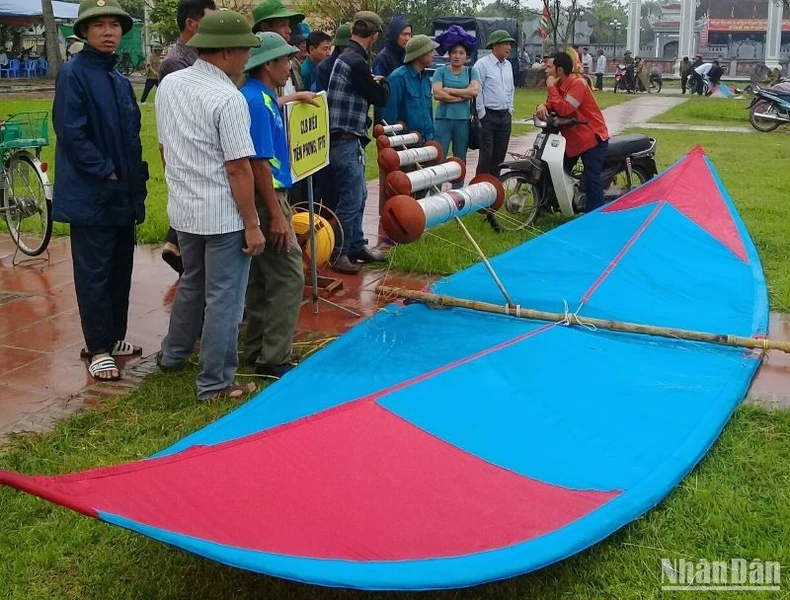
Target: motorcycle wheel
[655, 86]
[615, 87]
[619, 184]
[762, 124]
[522, 202]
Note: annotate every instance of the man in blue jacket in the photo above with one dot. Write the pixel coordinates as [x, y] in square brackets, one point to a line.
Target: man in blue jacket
[411, 97]
[100, 185]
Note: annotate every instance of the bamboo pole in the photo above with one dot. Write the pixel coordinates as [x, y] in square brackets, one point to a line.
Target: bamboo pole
[571, 319]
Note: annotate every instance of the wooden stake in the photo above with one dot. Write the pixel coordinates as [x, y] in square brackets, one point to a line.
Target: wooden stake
[572, 320]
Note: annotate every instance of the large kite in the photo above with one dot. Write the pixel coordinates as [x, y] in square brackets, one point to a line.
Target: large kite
[441, 448]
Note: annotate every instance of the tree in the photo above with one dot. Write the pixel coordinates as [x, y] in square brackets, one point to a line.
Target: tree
[603, 12]
[563, 17]
[54, 58]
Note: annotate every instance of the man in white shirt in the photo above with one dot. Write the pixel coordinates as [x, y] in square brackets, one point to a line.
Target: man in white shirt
[600, 69]
[587, 61]
[204, 129]
[495, 106]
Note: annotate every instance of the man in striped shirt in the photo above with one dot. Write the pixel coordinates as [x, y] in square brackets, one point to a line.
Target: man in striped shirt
[204, 128]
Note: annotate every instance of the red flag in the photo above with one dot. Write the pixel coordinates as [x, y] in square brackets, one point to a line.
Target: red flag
[545, 20]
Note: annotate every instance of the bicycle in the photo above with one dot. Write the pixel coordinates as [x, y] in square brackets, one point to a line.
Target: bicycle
[127, 67]
[25, 192]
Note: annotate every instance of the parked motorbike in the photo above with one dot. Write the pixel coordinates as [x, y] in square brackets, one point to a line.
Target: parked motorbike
[538, 182]
[656, 81]
[769, 109]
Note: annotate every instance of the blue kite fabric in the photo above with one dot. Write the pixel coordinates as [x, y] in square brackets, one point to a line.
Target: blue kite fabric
[443, 448]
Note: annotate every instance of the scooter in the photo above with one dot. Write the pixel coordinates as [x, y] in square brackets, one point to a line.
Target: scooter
[538, 182]
[769, 109]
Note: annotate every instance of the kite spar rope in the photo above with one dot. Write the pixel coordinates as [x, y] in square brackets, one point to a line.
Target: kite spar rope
[569, 319]
[474, 243]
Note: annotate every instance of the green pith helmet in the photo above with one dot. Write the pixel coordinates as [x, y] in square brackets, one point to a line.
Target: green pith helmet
[274, 9]
[419, 45]
[224, 29]
[342, 36]
[500, 36]
[272, 47]
[93, 9]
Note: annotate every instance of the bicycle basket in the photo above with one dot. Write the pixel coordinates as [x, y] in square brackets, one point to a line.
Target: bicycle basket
[25, 130]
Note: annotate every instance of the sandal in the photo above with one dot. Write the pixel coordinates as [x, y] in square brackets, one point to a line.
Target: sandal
[103, 365]
[119, 348]
[232, 392]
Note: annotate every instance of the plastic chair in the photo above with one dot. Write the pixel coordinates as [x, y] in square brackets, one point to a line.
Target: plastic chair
[12, 70]
[42, 68]
[30, 67]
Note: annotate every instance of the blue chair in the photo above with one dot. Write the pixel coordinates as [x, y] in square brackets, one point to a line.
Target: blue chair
[30, 67]
[43, 67]
[12, 69]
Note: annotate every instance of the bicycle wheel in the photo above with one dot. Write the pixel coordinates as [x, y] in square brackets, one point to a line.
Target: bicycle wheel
[522, 202]
[26, 203]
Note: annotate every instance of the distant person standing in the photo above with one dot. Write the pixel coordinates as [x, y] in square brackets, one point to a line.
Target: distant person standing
[75, 47]
[495, 106]
[600, 70]
[587, 61]
[100, 184]
[180, 56]
[152, 65]
[685, 72]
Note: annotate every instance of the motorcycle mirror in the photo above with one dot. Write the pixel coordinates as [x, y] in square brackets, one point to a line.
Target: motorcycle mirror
[538, 123]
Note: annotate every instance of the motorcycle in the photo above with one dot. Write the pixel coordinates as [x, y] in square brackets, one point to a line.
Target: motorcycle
[539, 182]
[623, 80]
[769, 109]
[656, 81]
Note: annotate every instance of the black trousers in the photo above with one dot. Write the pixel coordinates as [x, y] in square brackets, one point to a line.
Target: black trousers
[684, 81]
[149, 85]
[599, 81]
[495, 137]
[103, 258]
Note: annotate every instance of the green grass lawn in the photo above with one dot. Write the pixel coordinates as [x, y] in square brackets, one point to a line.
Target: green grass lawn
[736, 503]
[698, 110]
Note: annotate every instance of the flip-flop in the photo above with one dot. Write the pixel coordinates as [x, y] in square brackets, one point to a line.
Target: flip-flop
[232, 392]
[119, 348]
[104, 365]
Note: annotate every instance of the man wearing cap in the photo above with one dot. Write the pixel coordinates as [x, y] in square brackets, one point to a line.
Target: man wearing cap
[352, 89]
[324, 69]
[204, 128]
[152, 65]
[100, 184]
[318, 46]
[495, 105]
[298, 41]
[75, 45]
[180, 56]
[410, 98]
[271, 15]
[274, 291]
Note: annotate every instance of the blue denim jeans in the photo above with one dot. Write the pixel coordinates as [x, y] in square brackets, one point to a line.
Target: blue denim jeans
[455, 131]
[215, 277]
[347, 158]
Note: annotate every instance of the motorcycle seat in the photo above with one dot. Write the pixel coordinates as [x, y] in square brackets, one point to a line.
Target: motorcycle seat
[623, 145]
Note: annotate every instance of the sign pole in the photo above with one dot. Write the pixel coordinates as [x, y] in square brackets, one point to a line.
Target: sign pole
[316, 298]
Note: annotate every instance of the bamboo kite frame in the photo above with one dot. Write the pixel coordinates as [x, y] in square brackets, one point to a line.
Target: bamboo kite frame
[571, 319]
